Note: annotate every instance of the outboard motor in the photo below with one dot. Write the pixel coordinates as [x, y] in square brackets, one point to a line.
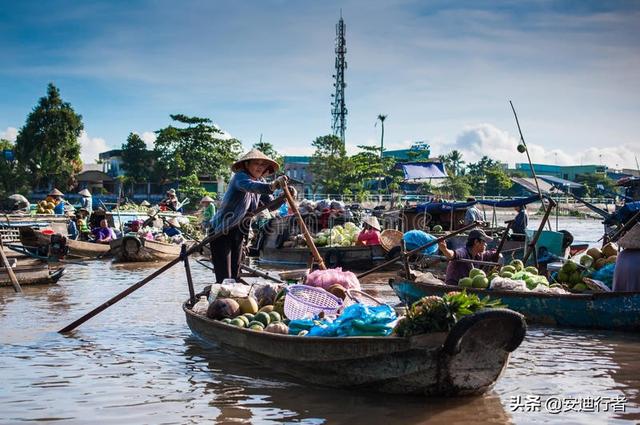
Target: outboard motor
[58, 247]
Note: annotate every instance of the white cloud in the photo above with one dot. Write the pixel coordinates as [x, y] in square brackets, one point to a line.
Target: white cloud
[149, 137]
[486, 139]
[90, 147]
[10, 134]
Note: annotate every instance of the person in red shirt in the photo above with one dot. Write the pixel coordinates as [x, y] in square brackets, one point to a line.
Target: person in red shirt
[370, 234]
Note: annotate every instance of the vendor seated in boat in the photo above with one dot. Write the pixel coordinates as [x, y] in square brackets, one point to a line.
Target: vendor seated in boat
[472, 214]
[520, 223]
[104, 233]
[247, 191]
[475, 249]
[370, 234]
[171, 228]
[56, 197]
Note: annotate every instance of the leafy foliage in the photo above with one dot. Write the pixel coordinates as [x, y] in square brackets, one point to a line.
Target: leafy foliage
[136, 159]
[194, 149]
[367, 167]
[47, 145]
[12, 177]
[456, 186]
[591, 181]
[330, 164]
[190, 188]
[453, 162]
[440, 314]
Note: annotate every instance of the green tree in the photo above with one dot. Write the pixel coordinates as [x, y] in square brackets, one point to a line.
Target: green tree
[456, 186]
[453, 162]
[367, 168]
[190, 188]
[330, 164]
[194, 149]
[137, 161]
[12, 177]
[47, 145]
[591, 182]
[480, 168]
[268, 149]
[498, 182]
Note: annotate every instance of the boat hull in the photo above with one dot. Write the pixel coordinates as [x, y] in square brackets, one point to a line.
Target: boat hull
[610, 310]
[76, 249]
[134, 249]
[350, 258]
[32, 275]
[466, 361]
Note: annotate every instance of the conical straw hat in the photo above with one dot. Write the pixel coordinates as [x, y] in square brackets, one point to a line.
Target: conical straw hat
[84, 192]
[373, 222]
[255, 154]
[631, 239]
[55, 192]
[172, 221]
[206, 199]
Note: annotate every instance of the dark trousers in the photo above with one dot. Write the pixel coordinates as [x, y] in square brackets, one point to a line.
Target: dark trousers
[226, 255]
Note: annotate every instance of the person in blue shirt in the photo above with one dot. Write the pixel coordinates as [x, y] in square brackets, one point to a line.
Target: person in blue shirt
[520, 222]
[86, 202]
[246, 192]
[172, 228]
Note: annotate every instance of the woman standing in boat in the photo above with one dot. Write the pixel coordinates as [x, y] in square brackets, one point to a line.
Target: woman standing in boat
[626, 277]
[247, 190]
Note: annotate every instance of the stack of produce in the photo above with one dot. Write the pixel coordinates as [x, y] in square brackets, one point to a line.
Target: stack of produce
[45, 207]
[439, 314]
[131, 206]
[597, 259]
[245, 312]
[508, 274]
[338, 235]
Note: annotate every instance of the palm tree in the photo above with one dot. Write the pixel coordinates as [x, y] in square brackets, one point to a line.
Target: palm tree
[454, 161]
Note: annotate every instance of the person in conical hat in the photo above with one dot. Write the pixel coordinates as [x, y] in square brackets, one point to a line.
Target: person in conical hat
[626, 275]
[145, 203]
[56, 196]
[171, 227]
[246, 192]
[370, 234]
[208, 211]
[86, 201]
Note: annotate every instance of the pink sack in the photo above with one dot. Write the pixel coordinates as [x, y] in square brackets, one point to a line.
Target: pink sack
[326, 278]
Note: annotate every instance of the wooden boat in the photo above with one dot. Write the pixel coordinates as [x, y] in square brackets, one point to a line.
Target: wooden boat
[606, 310]
[132, 248]
[467, 360]
[349, 258]
[32, 275]
[41, 243]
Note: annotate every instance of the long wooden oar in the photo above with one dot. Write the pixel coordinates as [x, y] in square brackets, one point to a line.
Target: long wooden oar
[303, 227]
[194, 248]
[12, 275]
[420, 248]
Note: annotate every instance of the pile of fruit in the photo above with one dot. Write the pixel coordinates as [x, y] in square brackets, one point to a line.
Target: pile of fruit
[45, 207]
[245, 313]
[514, 271]
[130, 206]
[596, 258]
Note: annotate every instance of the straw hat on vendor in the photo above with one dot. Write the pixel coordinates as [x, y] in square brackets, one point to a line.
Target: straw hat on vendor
[631, 239]
[259, 157]
[85, 193]
[173, 222]
[372, 222]
[206, 200]
[55, 193]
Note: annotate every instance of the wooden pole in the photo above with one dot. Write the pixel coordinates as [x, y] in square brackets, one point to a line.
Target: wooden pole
[504, 238]
[303, 227]
[12, 275]
[405, 260]
[135, 287]
[187, 268]
[534, 241]
[420, 248]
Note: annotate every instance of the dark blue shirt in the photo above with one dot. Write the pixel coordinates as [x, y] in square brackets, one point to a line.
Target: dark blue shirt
[244, 195]
[520, 222]
[171, 231]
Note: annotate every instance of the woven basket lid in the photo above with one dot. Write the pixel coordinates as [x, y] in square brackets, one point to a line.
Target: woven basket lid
[390, 238]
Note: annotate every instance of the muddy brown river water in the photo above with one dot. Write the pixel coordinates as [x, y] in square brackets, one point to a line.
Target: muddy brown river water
[137, 363]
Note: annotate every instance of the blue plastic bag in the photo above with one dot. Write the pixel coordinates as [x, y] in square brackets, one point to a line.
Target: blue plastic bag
[283, 210]
[416, 238]
[355, 320]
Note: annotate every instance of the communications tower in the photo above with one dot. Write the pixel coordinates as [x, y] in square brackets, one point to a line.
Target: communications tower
[339, 109]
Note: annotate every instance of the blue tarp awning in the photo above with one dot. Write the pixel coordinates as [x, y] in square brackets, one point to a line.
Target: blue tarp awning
[442, 207]
[557, 181]
[423, 170]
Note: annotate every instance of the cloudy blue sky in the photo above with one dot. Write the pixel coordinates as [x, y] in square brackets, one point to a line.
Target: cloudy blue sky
[443, 71]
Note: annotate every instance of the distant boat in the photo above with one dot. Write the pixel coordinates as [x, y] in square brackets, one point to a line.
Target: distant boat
[38, 274]
[132, 248]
